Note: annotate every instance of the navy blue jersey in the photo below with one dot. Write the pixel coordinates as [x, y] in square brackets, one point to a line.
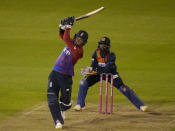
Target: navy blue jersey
[104, 65]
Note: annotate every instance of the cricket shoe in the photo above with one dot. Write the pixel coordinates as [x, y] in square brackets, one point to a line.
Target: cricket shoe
[58, 125]
[63, 113]
[144, 108]
[78, 108]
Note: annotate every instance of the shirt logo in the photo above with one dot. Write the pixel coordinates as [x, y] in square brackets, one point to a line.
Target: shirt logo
[67, 52]
[101, 64]
[50, 84]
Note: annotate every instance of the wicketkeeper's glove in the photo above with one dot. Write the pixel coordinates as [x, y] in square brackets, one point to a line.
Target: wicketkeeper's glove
[87, 71]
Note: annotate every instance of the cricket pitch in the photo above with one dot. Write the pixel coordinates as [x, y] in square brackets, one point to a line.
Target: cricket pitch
[125, 118]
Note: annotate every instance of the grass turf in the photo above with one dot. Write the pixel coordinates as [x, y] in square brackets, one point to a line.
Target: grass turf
[142, 36]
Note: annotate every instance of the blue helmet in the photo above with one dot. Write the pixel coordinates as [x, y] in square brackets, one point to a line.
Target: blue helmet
[104, 46]
[83, 35]
[104, 40]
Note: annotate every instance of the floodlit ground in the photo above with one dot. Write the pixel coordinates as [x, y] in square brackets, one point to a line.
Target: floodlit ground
[142, 37]
[125, 118]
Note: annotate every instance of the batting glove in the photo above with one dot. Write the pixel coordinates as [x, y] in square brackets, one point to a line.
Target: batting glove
[67, 23]
[70, 20]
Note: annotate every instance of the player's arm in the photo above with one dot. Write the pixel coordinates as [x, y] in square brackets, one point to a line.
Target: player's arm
[66, 37]
[94, 63]
[62, 28]
[61, 33]
[66, 24]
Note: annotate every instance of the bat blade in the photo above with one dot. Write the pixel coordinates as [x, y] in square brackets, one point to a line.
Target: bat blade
[89, 14]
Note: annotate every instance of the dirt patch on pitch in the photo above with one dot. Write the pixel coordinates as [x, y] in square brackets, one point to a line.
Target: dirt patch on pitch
[125, 118]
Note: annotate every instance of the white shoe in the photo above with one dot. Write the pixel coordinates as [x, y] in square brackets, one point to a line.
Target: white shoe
[78, 108]
[63, 113]
[144, 108]
[58, 125]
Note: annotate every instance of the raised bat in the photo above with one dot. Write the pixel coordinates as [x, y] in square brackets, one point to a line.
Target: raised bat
[89, 14]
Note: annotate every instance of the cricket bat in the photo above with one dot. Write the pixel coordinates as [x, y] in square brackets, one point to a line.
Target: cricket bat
[89, 14]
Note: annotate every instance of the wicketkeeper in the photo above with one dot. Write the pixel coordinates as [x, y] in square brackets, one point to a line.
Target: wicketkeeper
[103, 61]
[60, 79]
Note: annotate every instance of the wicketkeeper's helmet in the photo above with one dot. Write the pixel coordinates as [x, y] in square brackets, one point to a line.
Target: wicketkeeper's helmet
[104, 40]
[104, 46]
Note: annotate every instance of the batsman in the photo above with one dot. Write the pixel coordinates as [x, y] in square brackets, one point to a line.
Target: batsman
[103, 61]
[60, 78]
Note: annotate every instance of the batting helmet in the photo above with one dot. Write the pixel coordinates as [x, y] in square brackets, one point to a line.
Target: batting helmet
[83, 35]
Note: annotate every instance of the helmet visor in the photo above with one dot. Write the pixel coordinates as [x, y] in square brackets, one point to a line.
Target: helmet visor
[103, 47]
[78, 41]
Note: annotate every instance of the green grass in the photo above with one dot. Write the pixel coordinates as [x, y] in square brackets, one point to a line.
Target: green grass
[142, 35]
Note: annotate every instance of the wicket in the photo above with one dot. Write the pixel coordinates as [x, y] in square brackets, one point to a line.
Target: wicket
[106, 93]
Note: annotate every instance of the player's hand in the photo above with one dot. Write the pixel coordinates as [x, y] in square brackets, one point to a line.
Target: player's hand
[87, 71]
[67, 23]
[70, 20]
[63, 24]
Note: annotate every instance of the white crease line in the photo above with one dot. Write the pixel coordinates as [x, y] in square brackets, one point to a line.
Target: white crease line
[31, 111]
[171, 122]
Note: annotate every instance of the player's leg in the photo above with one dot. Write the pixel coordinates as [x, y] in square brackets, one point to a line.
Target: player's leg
[52, 99]
[65, 83]
[83, 89]
[131, 96]
[129, 93]
[66, 90]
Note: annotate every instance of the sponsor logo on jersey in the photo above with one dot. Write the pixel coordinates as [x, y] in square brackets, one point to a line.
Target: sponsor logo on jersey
[67, 52]
[101, 64]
